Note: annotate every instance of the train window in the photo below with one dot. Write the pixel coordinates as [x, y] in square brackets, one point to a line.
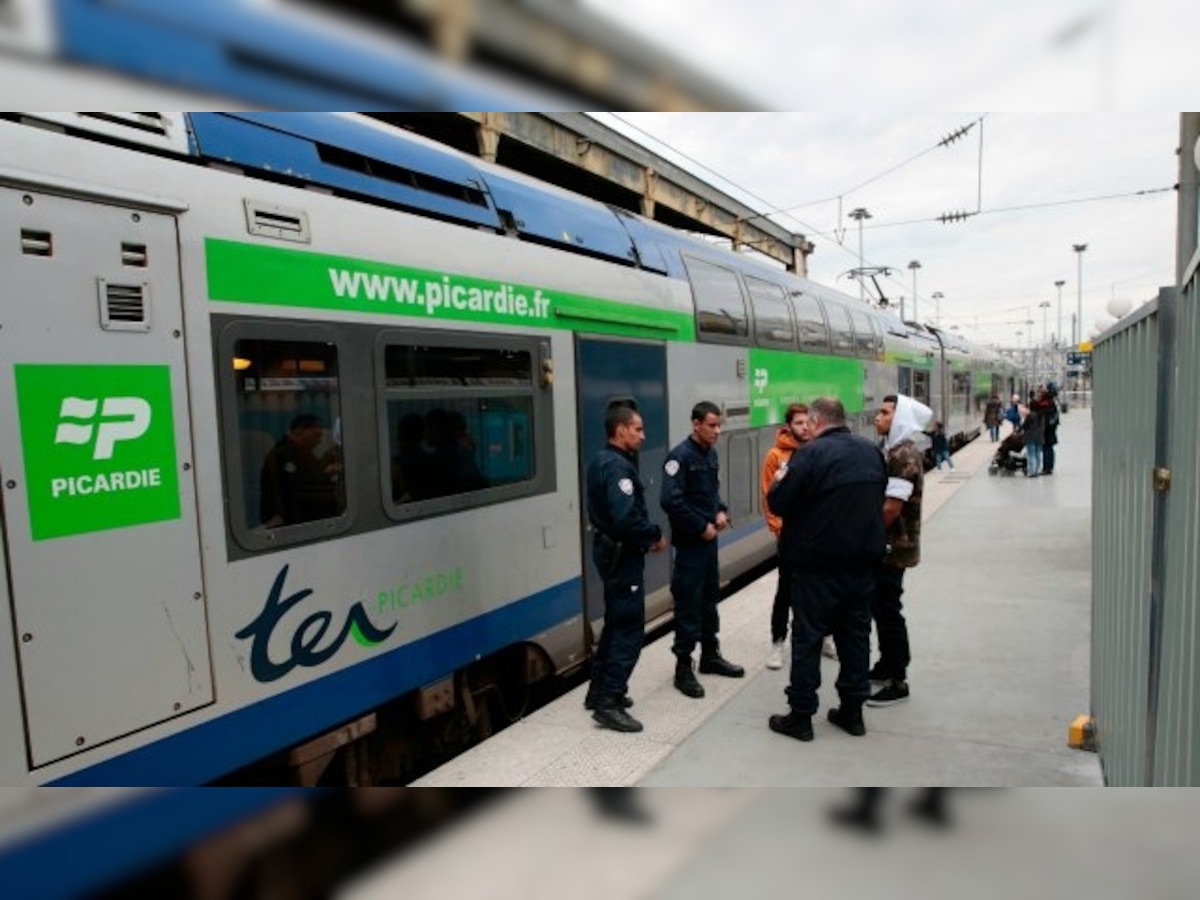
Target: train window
[841, 329]
[461, 419]
[920, 385]
[772, 314]
[289, 424]
[814, 334]
[864, 335]
[720, 308]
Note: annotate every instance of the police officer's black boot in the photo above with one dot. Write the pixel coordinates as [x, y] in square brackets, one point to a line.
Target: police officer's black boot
[685, 678]
[610, 715]
[713, 663]
[849, 718]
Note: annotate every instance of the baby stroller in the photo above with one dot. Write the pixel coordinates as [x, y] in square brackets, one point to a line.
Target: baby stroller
[1010, 456]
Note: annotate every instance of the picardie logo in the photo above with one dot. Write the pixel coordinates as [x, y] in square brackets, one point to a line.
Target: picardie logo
[121, 419]
[98, 444]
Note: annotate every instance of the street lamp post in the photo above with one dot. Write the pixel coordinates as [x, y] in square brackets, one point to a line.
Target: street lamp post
[858, 215]
[1079, 248]
[937, 296]
[1058, 335]
[1045, 307]
[914, 265]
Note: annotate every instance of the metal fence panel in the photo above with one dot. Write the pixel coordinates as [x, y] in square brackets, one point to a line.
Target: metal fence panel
[1124, 421]
[1177, 753]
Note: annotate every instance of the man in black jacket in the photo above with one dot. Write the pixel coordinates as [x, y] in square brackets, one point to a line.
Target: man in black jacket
[622, 535]
[831, 501]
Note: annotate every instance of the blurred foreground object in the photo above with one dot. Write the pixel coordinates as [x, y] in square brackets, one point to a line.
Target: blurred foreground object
[309, 54]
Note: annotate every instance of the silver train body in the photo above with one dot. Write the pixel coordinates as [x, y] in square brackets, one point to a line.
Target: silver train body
[181, 292]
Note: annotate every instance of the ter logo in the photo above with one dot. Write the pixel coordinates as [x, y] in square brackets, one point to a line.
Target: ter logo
[122, 419]
[99, 447]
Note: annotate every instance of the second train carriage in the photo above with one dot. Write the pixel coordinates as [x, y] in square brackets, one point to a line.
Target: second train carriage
[190, 298]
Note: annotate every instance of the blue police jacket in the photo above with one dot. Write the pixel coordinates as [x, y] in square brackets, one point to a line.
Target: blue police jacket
[691, 491]
[831, 502]
[617, 501]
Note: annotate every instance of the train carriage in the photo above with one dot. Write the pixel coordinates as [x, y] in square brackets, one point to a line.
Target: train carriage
[293, 413]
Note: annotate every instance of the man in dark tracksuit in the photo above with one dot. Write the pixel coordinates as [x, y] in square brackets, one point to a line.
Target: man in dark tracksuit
[622, 535]
[838, 480]
[691, 498]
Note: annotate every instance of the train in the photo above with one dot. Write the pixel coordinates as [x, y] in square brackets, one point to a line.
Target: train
[294, 409]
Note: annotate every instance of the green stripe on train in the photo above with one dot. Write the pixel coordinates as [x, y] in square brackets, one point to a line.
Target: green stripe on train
[272, 276]
[780, 377]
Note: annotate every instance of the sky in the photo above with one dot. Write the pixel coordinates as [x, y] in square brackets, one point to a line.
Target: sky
[1039, 184]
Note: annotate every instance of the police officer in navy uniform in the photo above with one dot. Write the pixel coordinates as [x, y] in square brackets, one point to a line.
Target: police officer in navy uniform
[691, 498]
[622, 535]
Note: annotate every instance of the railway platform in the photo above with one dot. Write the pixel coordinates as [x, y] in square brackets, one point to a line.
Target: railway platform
[999, 615]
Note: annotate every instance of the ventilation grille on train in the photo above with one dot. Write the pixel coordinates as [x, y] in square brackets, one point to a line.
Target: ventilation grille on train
[124, 307]
[164, 130]
[284, 223]
[152, 122]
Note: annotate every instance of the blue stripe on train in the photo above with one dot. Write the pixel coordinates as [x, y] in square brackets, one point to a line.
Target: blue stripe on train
[209, 750]
[119, 840]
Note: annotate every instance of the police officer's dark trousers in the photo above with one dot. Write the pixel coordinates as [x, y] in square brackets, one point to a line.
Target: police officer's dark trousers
[624, 627]
[886, 608]
[837, 603]
[696, 588]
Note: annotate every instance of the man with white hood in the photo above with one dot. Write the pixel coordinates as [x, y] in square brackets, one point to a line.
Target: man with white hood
[902, 421]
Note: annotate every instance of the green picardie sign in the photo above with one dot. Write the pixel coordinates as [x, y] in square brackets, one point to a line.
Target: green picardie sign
[99, 447]
[778, 378]
[273, 276]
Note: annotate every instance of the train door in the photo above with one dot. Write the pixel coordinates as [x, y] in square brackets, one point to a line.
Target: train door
[609, 370]
[99, 509]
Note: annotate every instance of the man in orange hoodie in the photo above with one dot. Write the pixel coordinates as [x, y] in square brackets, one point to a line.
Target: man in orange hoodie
[791, 437]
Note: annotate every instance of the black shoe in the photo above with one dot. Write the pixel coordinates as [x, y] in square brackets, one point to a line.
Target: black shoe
[715, 664]
[849, 719]
[616, 719]
[592, 701]
[793, 725]
[857, 817]
[891, 693]
[931, 809]
[685, 678]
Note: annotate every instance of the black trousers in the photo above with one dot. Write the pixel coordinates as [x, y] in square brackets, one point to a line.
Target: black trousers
[886, 609]
[696, 588]
[1047, 458]
[781, 610]
[620, 642]
[837, 603]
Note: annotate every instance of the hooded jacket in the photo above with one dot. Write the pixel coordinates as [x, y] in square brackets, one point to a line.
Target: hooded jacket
[904, 446]
[785, 445]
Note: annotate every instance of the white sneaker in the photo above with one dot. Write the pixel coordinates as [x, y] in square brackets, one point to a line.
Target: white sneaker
[775, 660]
[828, 649]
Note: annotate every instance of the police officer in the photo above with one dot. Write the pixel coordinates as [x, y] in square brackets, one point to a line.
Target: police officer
[622, 535]
[691, 499]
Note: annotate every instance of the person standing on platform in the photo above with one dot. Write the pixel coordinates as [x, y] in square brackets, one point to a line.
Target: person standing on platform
[691, 498]
[993, 414]
[901, 420]
[1048, 407]
[1033, 427]
[830, 498]
[622, 535]
[941, 446]
[790, 438]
